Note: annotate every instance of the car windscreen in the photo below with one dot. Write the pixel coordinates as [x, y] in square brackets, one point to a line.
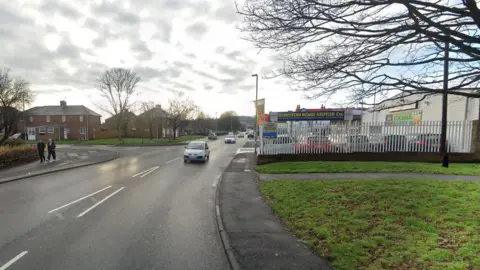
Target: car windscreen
[195, 145]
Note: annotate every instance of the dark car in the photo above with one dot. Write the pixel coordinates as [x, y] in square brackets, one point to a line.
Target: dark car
[250, 136]
[427, 143]
[212, 136]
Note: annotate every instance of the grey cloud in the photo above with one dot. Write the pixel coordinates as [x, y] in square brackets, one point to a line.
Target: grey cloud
[114, 11]
[165, 31]
[207, 87]
[197, 30]
[11, 23]
[178, 64]
[233, 55]
[191, 55]
[205, 74]
[220, 49]
[183, 86]
[147, 73]
[246, 87]
[52, 7]
[141, 51]
[228, 13]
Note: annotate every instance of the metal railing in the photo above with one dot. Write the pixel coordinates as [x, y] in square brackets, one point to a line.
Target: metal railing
[344, 137]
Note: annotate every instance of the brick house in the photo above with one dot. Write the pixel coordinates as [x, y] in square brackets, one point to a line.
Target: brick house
[63, 122]
[152, 123]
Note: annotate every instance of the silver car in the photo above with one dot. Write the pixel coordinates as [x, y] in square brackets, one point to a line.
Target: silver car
[230, 139]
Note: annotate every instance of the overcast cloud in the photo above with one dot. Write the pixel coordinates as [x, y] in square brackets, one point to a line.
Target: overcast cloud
[189, 45]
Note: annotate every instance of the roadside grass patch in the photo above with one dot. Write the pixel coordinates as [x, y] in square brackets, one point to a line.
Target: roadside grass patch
[368, 167]
[383, 224]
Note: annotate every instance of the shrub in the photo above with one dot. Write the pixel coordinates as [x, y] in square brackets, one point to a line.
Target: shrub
[14, 142]
[17, 155]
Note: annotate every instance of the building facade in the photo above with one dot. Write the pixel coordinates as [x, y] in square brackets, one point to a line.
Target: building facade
[414, 110]
[63, 122]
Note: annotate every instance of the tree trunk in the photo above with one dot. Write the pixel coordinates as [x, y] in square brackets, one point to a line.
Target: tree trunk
[151, 131]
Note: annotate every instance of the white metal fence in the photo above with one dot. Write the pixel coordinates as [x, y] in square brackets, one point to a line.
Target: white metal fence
[344, 137]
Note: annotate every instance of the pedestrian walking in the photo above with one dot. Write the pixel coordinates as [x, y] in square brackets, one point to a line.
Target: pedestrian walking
[51, 150]
[41, 150]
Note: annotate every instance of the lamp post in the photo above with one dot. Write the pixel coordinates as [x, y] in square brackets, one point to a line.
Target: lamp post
[256, 113]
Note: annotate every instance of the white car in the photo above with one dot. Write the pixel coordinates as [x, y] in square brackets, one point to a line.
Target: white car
[230, 139]
[196, 151]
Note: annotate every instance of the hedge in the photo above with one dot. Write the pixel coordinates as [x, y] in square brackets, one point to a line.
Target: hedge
[14, 142]
[17, 155]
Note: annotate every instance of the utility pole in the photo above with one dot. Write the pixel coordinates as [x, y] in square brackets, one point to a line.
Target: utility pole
[443, 134]
[256, 113]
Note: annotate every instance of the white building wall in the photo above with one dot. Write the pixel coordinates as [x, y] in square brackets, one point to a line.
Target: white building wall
[431, 109]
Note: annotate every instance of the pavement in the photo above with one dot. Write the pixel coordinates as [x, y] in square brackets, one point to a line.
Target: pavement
[143, 210]
[67, 158]
[253, 236]
[365, 176]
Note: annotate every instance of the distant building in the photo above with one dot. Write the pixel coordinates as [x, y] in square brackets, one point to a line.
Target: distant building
[63, 122]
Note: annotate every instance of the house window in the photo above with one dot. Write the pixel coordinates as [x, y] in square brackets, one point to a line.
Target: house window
[83, 130]
[81, 118]
[64, 118]
[30, 119]
[50, 130]
[48, 118]
[41, 130]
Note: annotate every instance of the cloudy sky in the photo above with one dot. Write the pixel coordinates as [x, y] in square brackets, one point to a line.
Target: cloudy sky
[61, 46]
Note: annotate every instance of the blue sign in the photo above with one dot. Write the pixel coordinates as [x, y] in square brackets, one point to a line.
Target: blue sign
[270, 130]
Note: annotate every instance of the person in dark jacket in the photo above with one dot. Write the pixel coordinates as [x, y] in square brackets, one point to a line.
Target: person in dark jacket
[51, 150]
[41, 150]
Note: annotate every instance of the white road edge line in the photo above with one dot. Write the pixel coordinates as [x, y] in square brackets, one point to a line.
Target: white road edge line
[173, 160]
[89, 195]
[98, 203]
[154, 168]
[146, 171]
[12, 261]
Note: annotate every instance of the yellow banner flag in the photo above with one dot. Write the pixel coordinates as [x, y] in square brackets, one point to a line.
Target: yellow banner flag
[260, 107]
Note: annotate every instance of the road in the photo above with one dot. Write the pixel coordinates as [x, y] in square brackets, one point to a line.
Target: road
[143, 211]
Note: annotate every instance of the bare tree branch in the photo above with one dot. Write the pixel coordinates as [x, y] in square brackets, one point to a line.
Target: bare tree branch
[359, 49]
[14, 94]
[180, 108]
[117, 86]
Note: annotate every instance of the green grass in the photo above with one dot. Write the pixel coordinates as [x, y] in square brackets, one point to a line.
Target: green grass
[134, 141]
[368, 167]
[383, 224]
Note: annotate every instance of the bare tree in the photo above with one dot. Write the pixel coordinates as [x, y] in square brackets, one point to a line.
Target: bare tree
[148, 112]
[180, 108]
[117, 86]
[15, 93]
[365, 48]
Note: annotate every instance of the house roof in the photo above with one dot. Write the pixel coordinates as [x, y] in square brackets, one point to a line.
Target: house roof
[61, 110]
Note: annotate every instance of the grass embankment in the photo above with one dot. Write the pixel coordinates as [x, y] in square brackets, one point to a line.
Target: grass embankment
[368, 167]
[383, 224]
[131, 141]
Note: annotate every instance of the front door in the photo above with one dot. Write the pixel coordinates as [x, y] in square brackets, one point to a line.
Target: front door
[31, 134]
[65, 133]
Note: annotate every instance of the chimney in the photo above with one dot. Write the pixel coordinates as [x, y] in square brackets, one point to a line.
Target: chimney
[63, 103]
[158, 106]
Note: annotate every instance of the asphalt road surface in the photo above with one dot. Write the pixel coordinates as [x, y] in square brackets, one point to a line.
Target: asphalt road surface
[147, 210]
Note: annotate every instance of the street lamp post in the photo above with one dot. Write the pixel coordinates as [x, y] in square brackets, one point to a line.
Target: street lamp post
[256, 113]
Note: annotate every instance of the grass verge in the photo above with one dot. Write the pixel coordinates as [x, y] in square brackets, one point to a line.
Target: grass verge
[131, 141]
[368, 167]
[383, 224]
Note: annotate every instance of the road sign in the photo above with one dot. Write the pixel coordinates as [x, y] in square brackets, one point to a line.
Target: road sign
[270, 130]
